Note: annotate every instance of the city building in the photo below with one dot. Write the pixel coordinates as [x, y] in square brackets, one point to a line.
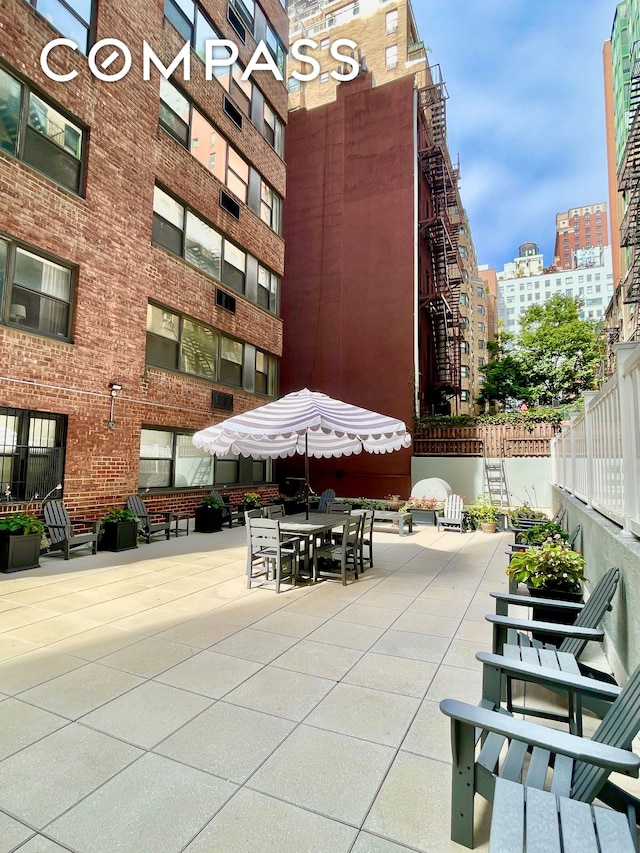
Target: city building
[621, 60]
[580, 232]
[592, 283]
[381, 289]
[141, 250]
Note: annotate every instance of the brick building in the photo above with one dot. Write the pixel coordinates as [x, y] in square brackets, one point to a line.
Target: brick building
[580, 232]
[140, 250]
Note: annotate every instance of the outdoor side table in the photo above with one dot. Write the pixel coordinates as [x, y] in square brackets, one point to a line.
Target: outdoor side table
[402, 518]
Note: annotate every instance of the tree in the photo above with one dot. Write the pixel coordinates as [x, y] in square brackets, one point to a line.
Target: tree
[504, 376]
[559, 352]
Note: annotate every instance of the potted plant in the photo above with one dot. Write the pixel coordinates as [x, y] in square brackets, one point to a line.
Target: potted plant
[20, 541]
[482, 512]
[554, 570]
[209, 513]
[527, 514]
[118, 530]
[537, 534]
[251, 500]
[423, 509]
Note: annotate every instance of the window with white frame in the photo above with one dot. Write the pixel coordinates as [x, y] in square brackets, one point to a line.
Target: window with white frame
[391, 56]
[270, 207]
[391, 21]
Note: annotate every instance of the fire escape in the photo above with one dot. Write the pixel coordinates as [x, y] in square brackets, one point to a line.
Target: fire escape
[439, 296]
[629, 183]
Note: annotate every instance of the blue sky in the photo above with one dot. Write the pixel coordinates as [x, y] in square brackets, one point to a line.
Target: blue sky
[525, 111]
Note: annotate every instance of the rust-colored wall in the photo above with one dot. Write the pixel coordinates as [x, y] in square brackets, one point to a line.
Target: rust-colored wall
[348, 291]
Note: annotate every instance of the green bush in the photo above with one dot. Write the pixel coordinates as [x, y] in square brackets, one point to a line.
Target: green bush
[20, 524]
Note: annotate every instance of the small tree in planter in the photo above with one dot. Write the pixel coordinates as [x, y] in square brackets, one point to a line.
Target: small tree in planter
[119, 529]
[209, 515]
[20, 540]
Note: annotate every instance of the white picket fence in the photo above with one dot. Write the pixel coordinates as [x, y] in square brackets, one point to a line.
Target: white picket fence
[597, 456]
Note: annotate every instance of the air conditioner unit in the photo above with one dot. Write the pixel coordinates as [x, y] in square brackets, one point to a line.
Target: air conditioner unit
[220, 400]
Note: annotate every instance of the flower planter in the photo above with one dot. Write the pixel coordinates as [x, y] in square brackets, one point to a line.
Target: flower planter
[209, 519]
[19, 552]
[118, 536]
[488, 526]
[424, 516]
[549, 614]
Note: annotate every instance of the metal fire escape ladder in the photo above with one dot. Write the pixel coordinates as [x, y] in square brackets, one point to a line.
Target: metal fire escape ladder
[440, 227]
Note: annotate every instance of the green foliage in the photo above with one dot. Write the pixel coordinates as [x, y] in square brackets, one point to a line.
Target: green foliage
[20, 524]
[526, 511]
[504, 378]
[537, 534]
[534, 415]
[559, 352]
[482, 510]
[212, 502]
[252, 499]
[554, 566]
[115, 513]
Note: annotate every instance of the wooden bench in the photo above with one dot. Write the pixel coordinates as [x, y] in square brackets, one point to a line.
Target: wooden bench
[524, 817]
[401, 517]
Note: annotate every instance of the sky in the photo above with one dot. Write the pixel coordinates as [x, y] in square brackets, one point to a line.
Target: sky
[525, 112]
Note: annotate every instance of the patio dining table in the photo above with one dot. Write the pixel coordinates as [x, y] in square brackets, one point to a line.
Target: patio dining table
[315, 525]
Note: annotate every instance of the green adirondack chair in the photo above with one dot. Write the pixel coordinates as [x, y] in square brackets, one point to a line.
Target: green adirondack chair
[489, 744]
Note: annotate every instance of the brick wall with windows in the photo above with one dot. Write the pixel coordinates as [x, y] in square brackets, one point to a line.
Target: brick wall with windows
[79, 268]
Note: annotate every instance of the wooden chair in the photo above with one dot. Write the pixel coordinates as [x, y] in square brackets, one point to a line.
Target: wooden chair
[149, 527]
[269, 555]
[513, 647]
[345, 552]
[488, 744]
[60, 529]
[366, 537]
[327, 497]
[228, 513]
[452, 513]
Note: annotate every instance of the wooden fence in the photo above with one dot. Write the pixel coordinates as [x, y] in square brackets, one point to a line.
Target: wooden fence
[492, 440]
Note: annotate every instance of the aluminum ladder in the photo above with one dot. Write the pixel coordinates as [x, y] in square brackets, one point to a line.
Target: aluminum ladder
[495, 478]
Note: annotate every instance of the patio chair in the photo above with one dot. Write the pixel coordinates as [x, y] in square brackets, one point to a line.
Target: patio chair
[228, 514]
[274, 511]
[522, 814]
[488, 744]
[512, 647]
[366, 537]
[269, 555]
[452, 512]
[344, 552]
[327, 497]
[338, 506]
[149, 527]
[60, 529]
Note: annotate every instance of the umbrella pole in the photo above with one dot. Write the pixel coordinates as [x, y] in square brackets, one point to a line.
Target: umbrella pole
[306, 471]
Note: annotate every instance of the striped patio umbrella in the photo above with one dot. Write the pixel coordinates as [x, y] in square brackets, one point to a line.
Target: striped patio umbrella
[308, 423]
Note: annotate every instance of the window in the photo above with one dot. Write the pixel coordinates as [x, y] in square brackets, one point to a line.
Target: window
[481, 291]
[240, 90]
[169, 459]
[268, 289]
[72, 18]
[510, 299]
[324, 44]
[191, 129]
[464, 371]
[569, 291]
[275, 48]
[273, 130]
[529, 297]
[270, 207]
[391, 20]
[480, 344]
[33, 131]
[580, 279]
[245, 9]
[481, 360]
[324, 77]
[481, 327]
[38, 292]
[293, 85]
[480, 309]
[568, 279]
[183, 233]
[266, 366]
[176, 342]
[32, 452]
[464, 347]
[464, 299]
[464, 397]
[391, 56]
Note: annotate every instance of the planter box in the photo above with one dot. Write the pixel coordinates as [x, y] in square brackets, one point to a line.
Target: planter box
[118, 536]
[424, 516]
[209, 519]
[548, 614]
[18, 553]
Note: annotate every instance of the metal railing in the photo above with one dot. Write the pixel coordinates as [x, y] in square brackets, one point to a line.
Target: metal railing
[597, 456]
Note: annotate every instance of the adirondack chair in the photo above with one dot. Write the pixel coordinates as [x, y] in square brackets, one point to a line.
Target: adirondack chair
[523, 818]
[512, 647]
[60, 529]
[149, 527]
[452, 512]
[327, 497]
[488, 744]
[228, 513]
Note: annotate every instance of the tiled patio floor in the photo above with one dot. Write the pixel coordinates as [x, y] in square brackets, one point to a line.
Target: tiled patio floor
[150, 703]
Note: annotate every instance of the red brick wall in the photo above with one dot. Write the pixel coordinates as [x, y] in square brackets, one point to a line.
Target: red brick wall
[107, 234]
[348, 292]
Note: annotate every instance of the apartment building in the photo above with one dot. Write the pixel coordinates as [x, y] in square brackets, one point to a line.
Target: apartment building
[592, 282]
[141, 248]
[580, 231]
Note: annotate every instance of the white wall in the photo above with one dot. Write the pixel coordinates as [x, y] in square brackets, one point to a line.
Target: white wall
[528, 478]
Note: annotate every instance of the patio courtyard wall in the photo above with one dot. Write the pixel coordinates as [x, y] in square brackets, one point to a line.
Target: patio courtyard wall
[604, 545]
[527, 477]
